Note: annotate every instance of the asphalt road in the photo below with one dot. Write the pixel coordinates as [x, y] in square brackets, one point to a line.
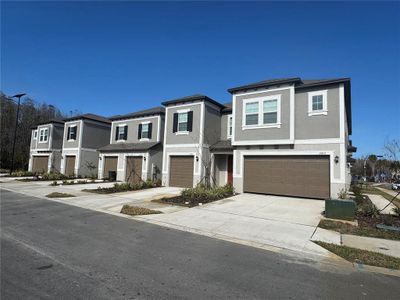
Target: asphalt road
[51, 250]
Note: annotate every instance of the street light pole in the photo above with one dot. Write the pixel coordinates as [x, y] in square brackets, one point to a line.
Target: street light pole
[15, 130]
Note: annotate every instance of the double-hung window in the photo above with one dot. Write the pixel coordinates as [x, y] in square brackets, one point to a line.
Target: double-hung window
[43, 135]
[230, 124]
[183, 122]
[270, 111]
[145, 131]
[121, 132]
[317, 103]
[252, 109]
[262, 112]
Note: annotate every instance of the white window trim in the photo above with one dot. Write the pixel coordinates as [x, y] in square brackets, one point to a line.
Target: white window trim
[71, 140]
[229, 136]
[324, 111]
[183, 132]
[260, 124]
[120, 140]
[35, 134]
[47, 136]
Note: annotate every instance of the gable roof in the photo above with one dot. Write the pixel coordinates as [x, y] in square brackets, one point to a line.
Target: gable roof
[51, 121]
[158, 110]
[122, 147]
[192, 98]
[92, 117]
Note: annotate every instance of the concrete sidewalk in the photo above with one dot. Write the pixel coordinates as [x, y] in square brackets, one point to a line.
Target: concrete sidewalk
[388, 247]
[381, 202]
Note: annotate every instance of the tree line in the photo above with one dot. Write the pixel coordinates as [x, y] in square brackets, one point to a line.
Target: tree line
[31, 112]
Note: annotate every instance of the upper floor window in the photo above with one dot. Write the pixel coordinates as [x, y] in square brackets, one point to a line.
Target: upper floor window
[121, 132]
[317, 103]
[43, 135]
[262, 112]
[144, 131]
[230, 119]
[71, 134]
[183, 122]
[35, 134]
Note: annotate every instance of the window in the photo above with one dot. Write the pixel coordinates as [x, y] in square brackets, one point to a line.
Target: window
[121, 132]
[230, 119]
[44, 135]
[252, 113]
[270, 111]
[71, 134]
[262, 112]
[317, 103]
[35, 134]
[145, 131]
[182, 122]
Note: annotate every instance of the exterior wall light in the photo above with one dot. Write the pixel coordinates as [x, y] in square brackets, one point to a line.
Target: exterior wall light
[197, 158]
[336, 159]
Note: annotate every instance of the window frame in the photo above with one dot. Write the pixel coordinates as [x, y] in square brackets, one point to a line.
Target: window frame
[119, 132]
[76, 132]
[46, 129]
[148, 130]
[35, 134]
[324, 110]
[229, 126]
[260, 101]
[179, 112]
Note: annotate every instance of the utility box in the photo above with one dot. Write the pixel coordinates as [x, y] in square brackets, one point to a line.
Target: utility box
[340, 209]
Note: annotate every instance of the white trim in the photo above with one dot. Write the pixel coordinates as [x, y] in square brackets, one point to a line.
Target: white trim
[261, 91]
[77, 167]
[181, 145]
[164, 146]
[201, 138]
[292, 113]
[324, 110]
[168, 163]
[233, 119]
[148, 130]
[145, 122]
[144, 140]
[260, 100]
[318, 141]
[158, 127]
[121, 140]
[182, 111]
[47, 136]
[182, 132]
[227, 125]
[262, 142]
[35, 132]
[183, 105]
[342, 124]
[133, 119]
[51, 136]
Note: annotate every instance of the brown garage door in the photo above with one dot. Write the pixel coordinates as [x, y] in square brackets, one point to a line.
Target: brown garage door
[134, 169]
[181, 171]
[303, 176]
[110, 164]
[40, 164]
[69, 165]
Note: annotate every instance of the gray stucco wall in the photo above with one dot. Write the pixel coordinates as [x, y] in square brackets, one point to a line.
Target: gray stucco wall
[133, 126]
[212, 122]
[263, 133]
[224, 126]
[44, 145]
[95, 135]
[319, 126]
[72, 143]
[57, 136]
[191, 138]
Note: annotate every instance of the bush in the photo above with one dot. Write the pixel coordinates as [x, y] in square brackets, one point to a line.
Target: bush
[126, 186]
[136, 210]
[396, 210]
[54, 176]
[22, 173]
[54, 183]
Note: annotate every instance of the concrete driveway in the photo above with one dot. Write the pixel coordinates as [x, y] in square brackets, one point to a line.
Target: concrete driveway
[256, 220]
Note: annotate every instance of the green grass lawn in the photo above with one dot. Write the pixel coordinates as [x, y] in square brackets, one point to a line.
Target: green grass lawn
[346, 228]
[363, 256]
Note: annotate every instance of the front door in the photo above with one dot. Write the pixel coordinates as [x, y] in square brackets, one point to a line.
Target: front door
[230, 169]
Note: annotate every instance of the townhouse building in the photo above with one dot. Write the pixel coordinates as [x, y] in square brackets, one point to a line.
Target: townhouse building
[46, 146]
[83, 135]
[135, 147]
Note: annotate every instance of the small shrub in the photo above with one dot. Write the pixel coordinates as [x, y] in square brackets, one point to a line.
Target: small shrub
[396, 210]
[59, 195]
[81, 181]
[388, 220]
[125, 186]
[22, 173]
[64, 182]
[342, 194]
[136, 210]
[54, 183]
